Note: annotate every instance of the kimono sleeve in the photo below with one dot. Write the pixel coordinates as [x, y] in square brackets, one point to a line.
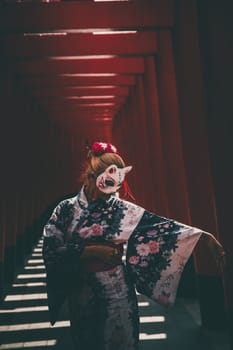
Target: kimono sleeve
[157, 252]
[61, 257]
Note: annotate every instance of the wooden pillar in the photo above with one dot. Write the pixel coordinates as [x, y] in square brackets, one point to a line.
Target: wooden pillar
[20, 253]
[2, 246]
[197, 161]
[164, 132]
[124, 137]
[10, 247]
[154, 139]
[131, 135]
[174, 169]
[138, 134]
[215, 36]
[28, 225]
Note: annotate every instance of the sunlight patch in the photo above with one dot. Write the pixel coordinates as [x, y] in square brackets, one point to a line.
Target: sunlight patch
[26, 297]
[50, 342]
[151, 319]
[27, 326]
[24, 309]
[36, 275]
[145, 336]
[36, 254]
[29, 284]
[34, 267]
[143, 303]
[35, 261]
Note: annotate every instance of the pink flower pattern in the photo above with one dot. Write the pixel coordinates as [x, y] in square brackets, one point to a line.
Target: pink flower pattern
[143, 249]
[96, 230]
[152, 233]
[54, 217]
[163, 299]
[96, 215]
[154, 246]
[134, 259]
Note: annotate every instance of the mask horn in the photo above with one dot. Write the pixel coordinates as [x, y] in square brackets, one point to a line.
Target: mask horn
[127, 169]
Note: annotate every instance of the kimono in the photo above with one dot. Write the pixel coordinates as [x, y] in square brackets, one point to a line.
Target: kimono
[103, 304]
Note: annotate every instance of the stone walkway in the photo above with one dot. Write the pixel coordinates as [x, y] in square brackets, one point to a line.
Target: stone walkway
[24, 319]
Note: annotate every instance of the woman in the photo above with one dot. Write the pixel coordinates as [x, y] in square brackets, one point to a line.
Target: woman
[83, 248]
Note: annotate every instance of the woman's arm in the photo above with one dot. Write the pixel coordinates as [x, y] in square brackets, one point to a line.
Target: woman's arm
[56, 248]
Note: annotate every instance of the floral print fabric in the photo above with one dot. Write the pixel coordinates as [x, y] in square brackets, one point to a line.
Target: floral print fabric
[104, 312]
[157, 250]
[156, 255]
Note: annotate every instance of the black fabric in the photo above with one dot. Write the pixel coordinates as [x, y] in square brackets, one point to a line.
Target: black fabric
[61, 278]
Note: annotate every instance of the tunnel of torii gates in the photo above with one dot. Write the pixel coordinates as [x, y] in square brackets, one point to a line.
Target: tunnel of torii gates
[153, 78]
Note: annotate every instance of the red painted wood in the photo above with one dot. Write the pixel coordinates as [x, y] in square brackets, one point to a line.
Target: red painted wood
[99, 130]
[194, 133]
[81, 91]
[72, 122]
[81, 108]
[136, 135]
[148, 174]
[175, 176]
[87, 100]
[31, 17]
[72, 80]
[154, 139]
[66, 103]
[127, 129]
[82, 114]
[63, 66]
[76, 44]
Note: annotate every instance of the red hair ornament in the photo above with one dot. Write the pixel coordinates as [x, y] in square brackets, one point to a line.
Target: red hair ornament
[99, 148]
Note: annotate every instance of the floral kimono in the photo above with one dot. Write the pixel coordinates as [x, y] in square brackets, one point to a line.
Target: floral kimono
[103, 304]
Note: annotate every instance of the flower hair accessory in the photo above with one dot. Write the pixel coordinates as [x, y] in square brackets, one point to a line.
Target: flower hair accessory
[99, 148]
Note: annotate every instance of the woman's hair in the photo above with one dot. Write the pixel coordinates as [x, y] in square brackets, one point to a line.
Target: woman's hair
[94, 166]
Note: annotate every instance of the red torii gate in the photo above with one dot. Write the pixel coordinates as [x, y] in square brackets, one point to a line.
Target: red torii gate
[157, 116]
